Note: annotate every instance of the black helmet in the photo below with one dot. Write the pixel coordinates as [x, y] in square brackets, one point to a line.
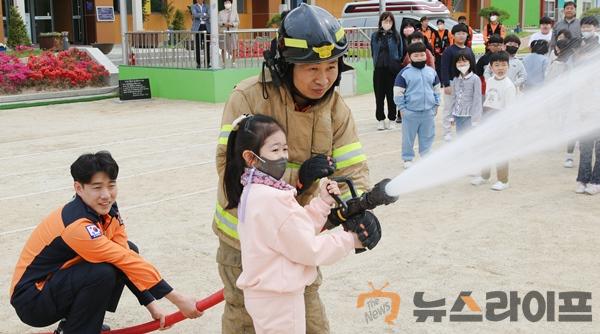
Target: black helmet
[310, 34]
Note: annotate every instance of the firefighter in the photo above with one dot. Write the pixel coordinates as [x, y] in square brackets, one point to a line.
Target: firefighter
[297, 88]
[77, 261]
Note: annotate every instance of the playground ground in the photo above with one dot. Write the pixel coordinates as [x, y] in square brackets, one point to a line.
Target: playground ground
[536, 236]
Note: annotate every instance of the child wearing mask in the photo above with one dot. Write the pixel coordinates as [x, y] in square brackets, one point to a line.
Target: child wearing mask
[417, 37]
[417, 95]
[536, 63]
[500, 92]
[466, 106]
[460, 33]
[516, 71]
[588, 176]
[280, 241]
[559, 68]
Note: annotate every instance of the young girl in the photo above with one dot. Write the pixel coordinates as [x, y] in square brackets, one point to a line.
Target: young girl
[280, 241]
[466, 90]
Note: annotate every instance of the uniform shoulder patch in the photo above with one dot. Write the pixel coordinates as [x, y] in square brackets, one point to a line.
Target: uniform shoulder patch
[93, 231]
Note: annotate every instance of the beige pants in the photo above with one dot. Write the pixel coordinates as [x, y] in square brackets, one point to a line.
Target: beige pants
[501, 170]
[236, 320]
[277, 313]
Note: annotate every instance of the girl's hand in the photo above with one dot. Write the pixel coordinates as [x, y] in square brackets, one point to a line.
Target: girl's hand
[448, 90]
[327, 188]
[157, 314]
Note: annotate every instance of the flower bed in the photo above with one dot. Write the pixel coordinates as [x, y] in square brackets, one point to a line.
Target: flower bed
[50, 71]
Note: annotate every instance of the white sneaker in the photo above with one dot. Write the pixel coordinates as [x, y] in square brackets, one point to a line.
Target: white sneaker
[391, 125]
[407, 164]
[580, 189]
[478, 180]
[592, 189]
[499, 186]
[568, 163]
[448, 137]
[381, 125]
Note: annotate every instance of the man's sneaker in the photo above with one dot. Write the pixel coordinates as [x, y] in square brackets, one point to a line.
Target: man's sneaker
[407, 164]
[568, 163]
[478, 180]
[399, 120]
[391, 125]
[61, 324]
[381, 125]
[448, 137]
[592, 189]
[499, 186]
[580, 189]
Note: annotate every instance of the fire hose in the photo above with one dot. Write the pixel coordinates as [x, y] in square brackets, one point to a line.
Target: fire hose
[171, 319]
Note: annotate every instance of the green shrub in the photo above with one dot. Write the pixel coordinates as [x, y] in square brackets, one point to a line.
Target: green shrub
[178, 20]
[17, 33]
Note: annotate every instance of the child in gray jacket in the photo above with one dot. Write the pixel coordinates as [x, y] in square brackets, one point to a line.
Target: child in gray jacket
[467, 102]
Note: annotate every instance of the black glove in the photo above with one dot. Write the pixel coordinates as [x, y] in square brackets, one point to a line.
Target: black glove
[333, 220]
[365, 222]
[313, 169]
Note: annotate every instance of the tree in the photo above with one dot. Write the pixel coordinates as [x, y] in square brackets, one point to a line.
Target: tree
[592, 12]
[485, 13]
[17, 33]
[178, 20]
[168, 10]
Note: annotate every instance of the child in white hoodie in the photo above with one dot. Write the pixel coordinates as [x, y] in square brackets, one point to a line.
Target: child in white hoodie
[280, 240]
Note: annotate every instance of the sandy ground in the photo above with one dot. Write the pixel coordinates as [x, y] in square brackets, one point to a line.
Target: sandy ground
[538, 235]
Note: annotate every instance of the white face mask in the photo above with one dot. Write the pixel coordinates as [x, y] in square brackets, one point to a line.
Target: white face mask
[463, 69]
[386, 26]
[493, 18]
[408, 31]
[227, 6]
[587, 34]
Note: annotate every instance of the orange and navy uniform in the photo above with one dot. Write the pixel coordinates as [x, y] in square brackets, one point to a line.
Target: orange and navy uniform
[76, 233]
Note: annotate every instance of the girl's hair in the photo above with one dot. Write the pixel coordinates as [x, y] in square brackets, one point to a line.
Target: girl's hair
[394, 31]
[250, 134]
[539, 46]
[566, 33]
[462, 55]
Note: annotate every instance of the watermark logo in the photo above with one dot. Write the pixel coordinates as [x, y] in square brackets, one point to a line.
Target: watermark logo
[379, 304]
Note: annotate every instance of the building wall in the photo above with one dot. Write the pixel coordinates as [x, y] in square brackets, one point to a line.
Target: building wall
[1, 28]
[532, 11]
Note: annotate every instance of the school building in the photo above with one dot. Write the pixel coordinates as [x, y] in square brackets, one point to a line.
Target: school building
[87, 20]
[85, 25]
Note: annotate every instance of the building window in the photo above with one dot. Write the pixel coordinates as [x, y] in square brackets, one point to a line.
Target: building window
[241, 6]
[550, 9]
[296, 3]
[459, 6]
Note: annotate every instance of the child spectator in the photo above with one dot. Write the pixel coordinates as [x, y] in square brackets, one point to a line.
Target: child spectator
[460, 33]
[417, 37]
[495, 44]
[559, 67]
[516, 71]
[280, 242]
[416, 93]
[426, 30]
[536, 64]
[463, 19]
[500, 92]
[466, 90]
[588, 178]
[545, 32]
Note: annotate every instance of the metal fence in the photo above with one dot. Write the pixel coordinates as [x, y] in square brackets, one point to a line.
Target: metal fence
[241, 48]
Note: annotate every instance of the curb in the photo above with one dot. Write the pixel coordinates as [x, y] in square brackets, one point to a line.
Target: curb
[47, 102]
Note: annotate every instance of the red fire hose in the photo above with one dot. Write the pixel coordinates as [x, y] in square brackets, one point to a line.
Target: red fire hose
[171, 319]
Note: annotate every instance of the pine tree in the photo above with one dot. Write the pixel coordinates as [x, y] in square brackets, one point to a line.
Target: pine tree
[178, 20]
[17, 33]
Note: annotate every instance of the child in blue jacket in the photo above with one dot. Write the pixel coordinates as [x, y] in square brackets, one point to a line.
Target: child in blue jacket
[417, 95]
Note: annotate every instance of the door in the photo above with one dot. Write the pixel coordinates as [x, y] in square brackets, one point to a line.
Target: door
[89, 21]
[78, 36]
[41, 17]
[260, 13]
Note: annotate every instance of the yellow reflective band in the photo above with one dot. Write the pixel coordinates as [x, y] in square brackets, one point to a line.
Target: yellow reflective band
[226, 222]
[348, 155]
[224, 135]
[351, 161]
[339, 34]
[295, 43]
[324, 51]
[293, 165]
